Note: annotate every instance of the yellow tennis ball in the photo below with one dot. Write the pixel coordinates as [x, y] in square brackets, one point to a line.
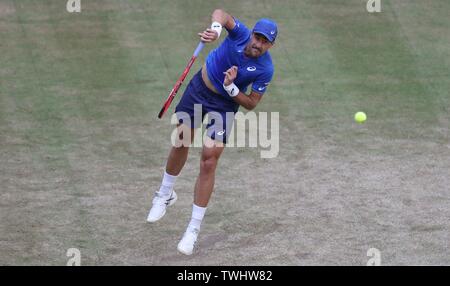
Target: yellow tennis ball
[360, 117]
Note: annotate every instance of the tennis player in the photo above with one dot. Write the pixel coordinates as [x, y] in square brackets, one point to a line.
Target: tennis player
[219, 87]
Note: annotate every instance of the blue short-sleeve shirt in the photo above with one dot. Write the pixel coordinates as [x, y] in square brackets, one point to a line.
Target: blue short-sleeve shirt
[255, 71]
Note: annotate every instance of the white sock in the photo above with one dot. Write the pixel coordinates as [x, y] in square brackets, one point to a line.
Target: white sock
[167, 184]
[197, 216]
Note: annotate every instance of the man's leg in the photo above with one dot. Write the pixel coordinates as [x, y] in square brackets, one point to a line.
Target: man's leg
[205, 180]
[204, 187]
[178, 155]
[166, 196]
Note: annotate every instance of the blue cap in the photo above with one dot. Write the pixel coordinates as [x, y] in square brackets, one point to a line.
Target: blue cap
[267, 28]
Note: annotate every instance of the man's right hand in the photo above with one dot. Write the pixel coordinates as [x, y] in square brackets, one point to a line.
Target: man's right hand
[230, 75]
[208, 36]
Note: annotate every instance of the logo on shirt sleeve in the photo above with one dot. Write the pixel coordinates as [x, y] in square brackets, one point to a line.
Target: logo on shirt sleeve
[250, 69]
[261, 88]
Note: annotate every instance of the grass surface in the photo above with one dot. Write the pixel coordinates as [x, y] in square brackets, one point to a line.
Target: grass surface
[81, 150]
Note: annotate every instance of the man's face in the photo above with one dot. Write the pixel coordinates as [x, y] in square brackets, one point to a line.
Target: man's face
[257, 46]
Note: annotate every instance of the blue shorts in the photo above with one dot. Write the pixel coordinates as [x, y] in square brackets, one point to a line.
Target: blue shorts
[198, 100]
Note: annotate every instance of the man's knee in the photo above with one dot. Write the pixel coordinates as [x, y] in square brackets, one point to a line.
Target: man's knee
[180, 149]
[208, 164]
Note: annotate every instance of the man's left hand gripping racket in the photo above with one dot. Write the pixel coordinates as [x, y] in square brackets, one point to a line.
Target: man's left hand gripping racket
[180, 80]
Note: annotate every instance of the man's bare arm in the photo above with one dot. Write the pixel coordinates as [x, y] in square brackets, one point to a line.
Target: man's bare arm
[221, 17]
[248, 101]
[225, 19]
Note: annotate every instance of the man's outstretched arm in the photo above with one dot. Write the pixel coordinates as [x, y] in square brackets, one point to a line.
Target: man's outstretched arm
[225, 19]
[219, 19]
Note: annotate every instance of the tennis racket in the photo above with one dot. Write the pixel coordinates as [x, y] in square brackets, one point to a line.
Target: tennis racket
[177, 85]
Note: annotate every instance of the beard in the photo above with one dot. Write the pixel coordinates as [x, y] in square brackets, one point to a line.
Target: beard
[252, 51]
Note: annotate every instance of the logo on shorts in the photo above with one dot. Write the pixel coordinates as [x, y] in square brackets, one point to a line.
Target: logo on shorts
[220, 133]
[250, 69]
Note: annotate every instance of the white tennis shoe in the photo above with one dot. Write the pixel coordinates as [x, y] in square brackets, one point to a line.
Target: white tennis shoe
[187, 243]
[160, 204]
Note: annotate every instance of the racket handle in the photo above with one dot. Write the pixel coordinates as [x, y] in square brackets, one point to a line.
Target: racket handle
[198, 49]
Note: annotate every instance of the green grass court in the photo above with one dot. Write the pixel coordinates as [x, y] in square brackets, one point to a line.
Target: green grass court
[82, 151]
